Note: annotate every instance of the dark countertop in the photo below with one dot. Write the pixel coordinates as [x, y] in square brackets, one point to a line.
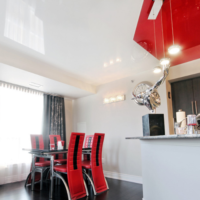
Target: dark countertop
[165, 137]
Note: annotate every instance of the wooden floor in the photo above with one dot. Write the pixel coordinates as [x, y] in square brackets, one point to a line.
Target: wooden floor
[119, 190]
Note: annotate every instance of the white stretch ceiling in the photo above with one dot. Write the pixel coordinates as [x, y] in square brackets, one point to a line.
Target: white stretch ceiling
[70, 41]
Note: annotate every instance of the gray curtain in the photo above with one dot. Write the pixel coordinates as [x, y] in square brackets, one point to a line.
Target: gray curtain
[53, 118]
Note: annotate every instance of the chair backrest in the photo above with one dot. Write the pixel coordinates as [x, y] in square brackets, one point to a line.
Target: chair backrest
[88, 141]
[54, 140]
[37, 143]
[88, 144]
[96, 163]
[74, 166]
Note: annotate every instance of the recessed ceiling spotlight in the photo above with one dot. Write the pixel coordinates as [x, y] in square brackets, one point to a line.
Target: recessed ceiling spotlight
[118, 60]
[111, 62]
[105, 65]
[174, 49]
[164, 61]
[157, 70]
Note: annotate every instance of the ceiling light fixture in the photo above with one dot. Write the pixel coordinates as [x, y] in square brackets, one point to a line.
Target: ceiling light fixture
[174, 49]
[118, 60]
[106, 100]
[114, 99]
[157, 70]
[120, 98]
[35, 85]
[105, 65]
[111, 62]
[164, 61]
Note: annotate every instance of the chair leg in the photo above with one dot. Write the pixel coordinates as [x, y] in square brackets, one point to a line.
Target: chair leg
[56, 181]
[41, 180]
[67, 189]
[27, 179]
[51, 186]
[88, 172]
[47, 175]
[33, 181]
[106, 183]
[59, 180]
[90, 182]
[86, 188]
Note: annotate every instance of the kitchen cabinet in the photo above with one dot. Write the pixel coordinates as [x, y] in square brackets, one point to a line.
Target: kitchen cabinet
[196, 89]
[186, 96]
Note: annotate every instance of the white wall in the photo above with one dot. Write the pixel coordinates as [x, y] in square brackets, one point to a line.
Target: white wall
[117, 121]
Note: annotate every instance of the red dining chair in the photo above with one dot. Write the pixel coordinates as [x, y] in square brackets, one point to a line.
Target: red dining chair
[99, 182]
[88, 141]
[77, 187]
[88, 144]
[58, 158]
[41, 165]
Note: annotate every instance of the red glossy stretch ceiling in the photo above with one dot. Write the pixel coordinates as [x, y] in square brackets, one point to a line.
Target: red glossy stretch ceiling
[156, 36]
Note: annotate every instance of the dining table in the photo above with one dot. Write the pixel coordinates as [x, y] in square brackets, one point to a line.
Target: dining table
[49, 154]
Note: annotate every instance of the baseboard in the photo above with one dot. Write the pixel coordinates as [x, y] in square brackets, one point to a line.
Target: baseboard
[124, 177]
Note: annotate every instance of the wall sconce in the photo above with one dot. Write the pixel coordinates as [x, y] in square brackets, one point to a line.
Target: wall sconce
[114, 99]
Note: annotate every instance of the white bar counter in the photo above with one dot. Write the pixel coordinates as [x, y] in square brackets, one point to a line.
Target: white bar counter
[170, 167]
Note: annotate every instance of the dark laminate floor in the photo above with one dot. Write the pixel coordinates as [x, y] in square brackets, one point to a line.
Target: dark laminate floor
[119, 190]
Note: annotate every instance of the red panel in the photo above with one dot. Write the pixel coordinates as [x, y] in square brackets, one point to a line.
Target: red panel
[41, 143]
[145, 28]
[186, 29]
[74, 170]
[96, 165]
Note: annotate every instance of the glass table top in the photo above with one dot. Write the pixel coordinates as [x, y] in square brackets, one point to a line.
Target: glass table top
[50, 150]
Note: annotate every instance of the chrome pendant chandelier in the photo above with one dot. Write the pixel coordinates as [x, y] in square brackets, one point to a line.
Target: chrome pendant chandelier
[146, 95]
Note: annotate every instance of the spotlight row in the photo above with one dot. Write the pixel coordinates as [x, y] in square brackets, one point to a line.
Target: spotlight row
[112, 62]
[174, 49]
[114, 99]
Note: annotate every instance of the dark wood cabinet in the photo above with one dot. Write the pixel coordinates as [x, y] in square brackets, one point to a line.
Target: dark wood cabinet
[196, 89]
[186, 96]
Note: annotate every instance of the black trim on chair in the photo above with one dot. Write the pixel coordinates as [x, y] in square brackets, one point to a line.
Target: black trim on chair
[88, 156]
[75, 152]
[89, 142]
[88, 146]
[97, 151]
[56, 146]
[37, 147]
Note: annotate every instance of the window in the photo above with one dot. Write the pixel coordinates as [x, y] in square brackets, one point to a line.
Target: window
[21, 113]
